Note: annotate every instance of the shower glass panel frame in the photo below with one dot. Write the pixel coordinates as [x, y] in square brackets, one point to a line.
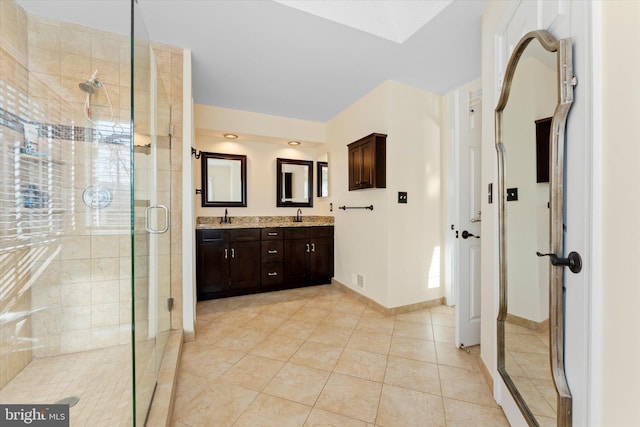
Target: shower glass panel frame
[151, 204]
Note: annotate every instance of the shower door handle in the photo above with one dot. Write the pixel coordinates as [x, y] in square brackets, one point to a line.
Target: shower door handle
[147, 222]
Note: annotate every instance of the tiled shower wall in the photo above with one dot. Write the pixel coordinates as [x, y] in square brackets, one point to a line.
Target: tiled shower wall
[78, 282]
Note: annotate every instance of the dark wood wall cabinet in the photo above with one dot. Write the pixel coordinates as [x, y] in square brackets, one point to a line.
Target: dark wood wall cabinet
[368, 162]
[251, 260]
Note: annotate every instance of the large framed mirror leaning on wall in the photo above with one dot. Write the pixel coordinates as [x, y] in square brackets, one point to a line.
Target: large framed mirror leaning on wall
[538, 84]
[294, 180]
[224, 180]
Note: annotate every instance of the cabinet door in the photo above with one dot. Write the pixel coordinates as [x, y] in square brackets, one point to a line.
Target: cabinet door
[368, 158]
[321, 259]
[245, 264]
[212, 268]
[355, 167]
[296, 260]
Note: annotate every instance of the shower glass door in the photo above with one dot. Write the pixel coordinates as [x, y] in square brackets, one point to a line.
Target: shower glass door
[151, 245]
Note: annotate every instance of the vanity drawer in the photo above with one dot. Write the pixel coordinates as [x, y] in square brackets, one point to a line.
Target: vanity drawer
[272, 273]
[272, 251]
[272, 233]
[244, 234]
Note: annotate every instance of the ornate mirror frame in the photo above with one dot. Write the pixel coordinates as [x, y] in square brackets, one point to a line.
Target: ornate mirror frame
[565, 81]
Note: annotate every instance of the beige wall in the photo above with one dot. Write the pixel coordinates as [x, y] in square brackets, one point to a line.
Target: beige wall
[396, 246]
[617, 290]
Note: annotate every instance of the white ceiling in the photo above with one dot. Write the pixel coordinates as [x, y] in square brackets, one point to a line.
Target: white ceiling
[264, 56]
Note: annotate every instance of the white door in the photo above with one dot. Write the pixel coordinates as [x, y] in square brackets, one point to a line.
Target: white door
[468, 110]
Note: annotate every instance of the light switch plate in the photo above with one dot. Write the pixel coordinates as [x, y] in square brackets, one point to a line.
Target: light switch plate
[402, 197]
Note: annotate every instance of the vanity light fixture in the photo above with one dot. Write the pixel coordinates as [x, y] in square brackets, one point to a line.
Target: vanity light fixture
[293, 143]
[230, 136]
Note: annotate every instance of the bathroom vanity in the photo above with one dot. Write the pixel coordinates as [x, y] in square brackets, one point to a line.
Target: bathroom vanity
[262, 255]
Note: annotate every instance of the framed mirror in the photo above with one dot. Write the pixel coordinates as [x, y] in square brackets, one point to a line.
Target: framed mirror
[224, 180]
[538, 84]
[294, 183]
[323, 179]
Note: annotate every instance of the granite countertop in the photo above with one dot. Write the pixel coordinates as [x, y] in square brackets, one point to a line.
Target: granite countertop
[213, 222]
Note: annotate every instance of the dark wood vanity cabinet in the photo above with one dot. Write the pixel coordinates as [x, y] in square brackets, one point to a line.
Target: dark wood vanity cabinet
[227, 260]
[309, 255]
[249, 260]
[368, 162]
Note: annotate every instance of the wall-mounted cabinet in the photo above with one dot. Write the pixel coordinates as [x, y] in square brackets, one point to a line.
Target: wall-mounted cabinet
[368, 162]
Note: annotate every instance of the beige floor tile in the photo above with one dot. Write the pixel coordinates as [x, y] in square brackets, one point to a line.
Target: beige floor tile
[264, 323]
[279, 347]
[376, 322]
[285, 308]
[298, 383]
[252, 372]
[420, 316]
[241, 340]
[271, 411]
[342, 319]
[534, 365]
[237, 317]
[524, 343]
[362, 364]
[350, 396]
[350, 304]
[204, 409]
[296, 329]
[464, 414]
[195, 356]
[449, 355]
[413, 348]
[210, 332]
[413, 374]
[332, 335]
[311, 315]
[548, 391]
[512, 366]
[443, 319]
[317, 355]
[462, 384]
[367, 340]
[322, 418]
[443, 309]
[443, 334]
[536, 402]
[421, 331]
[409, 408]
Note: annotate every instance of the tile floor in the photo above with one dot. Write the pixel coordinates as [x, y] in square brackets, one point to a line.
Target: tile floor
[318, 357]
[527, 362]
[100, 378]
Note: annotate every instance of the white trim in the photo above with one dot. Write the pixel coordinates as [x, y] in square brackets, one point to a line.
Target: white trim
[595, 361]
[188, 218]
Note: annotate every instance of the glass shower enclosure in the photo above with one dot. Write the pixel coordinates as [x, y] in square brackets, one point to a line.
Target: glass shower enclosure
[85, 196]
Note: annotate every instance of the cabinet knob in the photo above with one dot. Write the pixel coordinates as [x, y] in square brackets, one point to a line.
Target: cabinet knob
[313, 247]
[226, 253]
[273, 233]
[233, 253]
[307, 247]
[272, 251]
[272, 274]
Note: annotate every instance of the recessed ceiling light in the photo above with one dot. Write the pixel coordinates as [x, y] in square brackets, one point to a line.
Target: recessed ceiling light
[230, 136]
[294, 143]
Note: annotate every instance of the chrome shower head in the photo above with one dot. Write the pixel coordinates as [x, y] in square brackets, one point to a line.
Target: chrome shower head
[91, 85]
[88, 87]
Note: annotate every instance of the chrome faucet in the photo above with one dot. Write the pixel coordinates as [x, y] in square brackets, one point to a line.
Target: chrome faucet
[298, 217]
[226, 219]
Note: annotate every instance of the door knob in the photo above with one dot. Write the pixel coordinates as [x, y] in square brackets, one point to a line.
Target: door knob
[573, 261]
[466, 235]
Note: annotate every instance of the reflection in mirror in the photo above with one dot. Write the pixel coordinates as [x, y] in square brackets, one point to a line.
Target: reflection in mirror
[224, 180]
[527, 198]
[323, 179]
[294, 183]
